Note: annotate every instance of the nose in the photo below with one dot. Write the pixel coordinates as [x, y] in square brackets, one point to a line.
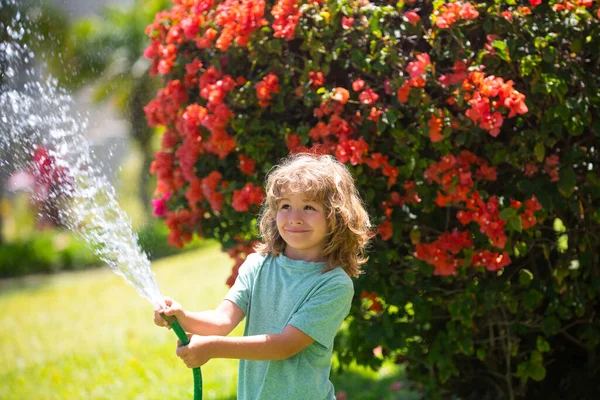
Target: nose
[295, 218]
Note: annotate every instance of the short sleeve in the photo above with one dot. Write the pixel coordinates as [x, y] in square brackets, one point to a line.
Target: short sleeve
[322, 315]
[241, 290]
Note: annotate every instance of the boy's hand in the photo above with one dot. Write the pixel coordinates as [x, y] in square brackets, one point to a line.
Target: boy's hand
[172, 308]
[197, 352]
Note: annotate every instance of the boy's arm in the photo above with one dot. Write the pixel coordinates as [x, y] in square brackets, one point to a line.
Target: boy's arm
[258, 347]
[218, 322]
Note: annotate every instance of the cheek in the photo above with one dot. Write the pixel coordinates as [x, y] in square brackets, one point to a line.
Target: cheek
[279, 220]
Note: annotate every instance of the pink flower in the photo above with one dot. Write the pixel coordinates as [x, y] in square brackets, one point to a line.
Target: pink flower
[412, 17]
[394, 387]
[535, 3]
[160, 205]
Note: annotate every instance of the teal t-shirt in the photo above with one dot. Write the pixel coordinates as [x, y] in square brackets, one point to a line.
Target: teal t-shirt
[274, 292]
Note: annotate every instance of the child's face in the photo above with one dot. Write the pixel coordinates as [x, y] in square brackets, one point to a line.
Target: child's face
[303, 226]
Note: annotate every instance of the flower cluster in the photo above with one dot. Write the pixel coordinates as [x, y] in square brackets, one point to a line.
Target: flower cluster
[181, 224]
[441, 253]
[450, 13]
[238, 20]
[249, 195]
[163, 109]
[286, 14]
[266, 88]
[455, 176]
[488, 96]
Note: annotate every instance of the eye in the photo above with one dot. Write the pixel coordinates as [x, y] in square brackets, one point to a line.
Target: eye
[307, 207]
[284, 206]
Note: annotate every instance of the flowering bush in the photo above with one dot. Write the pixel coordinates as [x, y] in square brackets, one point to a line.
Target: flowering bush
[471, 128]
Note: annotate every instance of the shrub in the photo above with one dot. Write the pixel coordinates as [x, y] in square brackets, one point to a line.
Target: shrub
[471, 128]
[46, 253]
[153, 237]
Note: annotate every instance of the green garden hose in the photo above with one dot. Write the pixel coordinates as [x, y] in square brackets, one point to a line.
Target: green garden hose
[183, 338]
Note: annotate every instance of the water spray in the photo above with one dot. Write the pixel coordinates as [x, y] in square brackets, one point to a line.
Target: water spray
[38, 118]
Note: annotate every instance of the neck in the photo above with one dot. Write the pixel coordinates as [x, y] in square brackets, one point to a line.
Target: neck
[308, 257]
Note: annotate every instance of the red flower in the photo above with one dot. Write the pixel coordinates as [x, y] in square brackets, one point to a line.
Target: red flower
[404, 92]
[347, 22]
[287, 15]
[352, 150]
[341, 95]
[190, 26]
[490, 260]
[265, 89]
[249, 195]
[358, 85]
[372, 296]
[293, 142]
[246, 164]
[551, 167]
[535, 3]
[368, 96]
[417, 68]
[316, 79]
[435, 129]
[412, 17]
[385, 230]
[467, 11]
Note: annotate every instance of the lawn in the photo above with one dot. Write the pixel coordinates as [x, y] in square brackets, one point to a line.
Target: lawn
[89, 335]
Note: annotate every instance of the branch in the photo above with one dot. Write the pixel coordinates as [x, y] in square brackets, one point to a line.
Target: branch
[508, 377]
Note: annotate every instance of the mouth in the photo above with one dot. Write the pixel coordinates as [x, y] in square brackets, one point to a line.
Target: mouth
[296, 231]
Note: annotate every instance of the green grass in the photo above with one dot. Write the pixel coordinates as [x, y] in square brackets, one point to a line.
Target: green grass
[88, 335]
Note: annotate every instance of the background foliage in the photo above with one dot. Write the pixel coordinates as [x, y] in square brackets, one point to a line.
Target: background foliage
[471, 129]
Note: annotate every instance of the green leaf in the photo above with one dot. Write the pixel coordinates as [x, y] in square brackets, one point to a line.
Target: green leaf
[542, 345]
[550, 325]
[549, 55]
[529, 64]
[501, 49]
[481, 354]
[374, 24]
[558, 226]
[508, 213]
[532, 299]
[539, 151]
[567, 181]
[562, 243]
[525, 277]
[515, 223]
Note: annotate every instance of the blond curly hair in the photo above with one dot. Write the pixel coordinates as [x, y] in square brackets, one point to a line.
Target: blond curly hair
[323, 179]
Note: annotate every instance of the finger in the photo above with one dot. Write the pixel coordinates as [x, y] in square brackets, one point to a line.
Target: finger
[170, 311]
[179, 344]
[159, 320]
